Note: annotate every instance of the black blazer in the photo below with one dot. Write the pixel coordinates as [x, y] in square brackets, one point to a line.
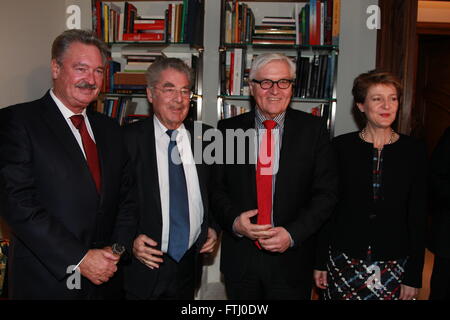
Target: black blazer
[305, 194]
[394, 226]
[51, 203]
[140, 139]
[440, 196]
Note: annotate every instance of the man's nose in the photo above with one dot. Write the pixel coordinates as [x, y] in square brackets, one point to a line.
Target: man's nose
[274, 89]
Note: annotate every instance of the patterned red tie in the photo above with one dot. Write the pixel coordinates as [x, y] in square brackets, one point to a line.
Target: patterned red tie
[90, 149]
[264, 171]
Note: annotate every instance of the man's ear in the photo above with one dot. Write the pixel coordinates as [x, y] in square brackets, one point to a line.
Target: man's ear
[55, 68]
[251, 88]
[149, 95]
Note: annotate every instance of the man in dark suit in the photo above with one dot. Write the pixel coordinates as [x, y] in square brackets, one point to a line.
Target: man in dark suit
[271, 209]
[173, 190]
[440, 194]
[66, 183]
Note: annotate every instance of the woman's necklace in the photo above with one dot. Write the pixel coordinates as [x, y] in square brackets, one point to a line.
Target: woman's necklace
[363, 134]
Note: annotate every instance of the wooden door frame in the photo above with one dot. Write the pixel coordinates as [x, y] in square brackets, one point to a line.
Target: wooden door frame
[397, 45]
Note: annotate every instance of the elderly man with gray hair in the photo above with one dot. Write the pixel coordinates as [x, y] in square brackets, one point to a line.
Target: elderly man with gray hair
[270, 211]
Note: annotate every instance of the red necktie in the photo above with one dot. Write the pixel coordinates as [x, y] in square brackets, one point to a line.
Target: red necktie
[90, 149]
[264, 171]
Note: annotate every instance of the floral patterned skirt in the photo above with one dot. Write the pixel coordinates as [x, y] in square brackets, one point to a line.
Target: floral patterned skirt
[355, 279]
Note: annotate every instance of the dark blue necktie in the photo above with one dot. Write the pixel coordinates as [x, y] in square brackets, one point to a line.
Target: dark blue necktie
[178, 202]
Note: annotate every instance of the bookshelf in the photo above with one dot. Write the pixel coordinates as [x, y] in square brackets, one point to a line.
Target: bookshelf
[252, 27]
[138, 32]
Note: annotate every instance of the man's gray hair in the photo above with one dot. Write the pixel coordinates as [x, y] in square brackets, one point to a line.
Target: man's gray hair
[263, 59]
[65, 39]
[153, 73]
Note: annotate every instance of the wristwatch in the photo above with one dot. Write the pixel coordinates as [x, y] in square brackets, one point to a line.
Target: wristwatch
[118, 249]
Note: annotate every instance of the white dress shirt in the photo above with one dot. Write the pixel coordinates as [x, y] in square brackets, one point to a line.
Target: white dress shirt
[67, 113]
[190, 171]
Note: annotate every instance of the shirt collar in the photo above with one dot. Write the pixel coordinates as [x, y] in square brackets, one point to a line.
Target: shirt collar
[260, 118]
[66, 112]
[161, 129]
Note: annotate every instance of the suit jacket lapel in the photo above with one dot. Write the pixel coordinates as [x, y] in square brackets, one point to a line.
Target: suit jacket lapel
[200, 166]
[103, 151]
[149, 165]
[289, 142]
[58, 125]
[250, 168]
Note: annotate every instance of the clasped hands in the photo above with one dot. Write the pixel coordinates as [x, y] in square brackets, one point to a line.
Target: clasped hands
[99, 265]
[144, 249]
[273, 239]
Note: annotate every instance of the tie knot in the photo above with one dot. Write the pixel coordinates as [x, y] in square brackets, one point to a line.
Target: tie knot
[269, 124]
[172, 134]
[77, 120]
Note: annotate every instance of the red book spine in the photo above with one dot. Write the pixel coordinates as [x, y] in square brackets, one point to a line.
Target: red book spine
[98, 13]
[319, 21]
[158, 25]
[231, 73]
[143, 36]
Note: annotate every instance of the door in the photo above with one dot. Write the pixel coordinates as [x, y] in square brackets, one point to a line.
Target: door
[432, 109]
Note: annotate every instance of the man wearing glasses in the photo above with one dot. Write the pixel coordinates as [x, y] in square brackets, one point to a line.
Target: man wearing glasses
[173, 190]
[271, 208]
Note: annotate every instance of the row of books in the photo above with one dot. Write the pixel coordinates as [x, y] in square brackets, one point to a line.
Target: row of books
[231, 110]
[314, 75]
[181, 22]
[118, 108]
[313, 23]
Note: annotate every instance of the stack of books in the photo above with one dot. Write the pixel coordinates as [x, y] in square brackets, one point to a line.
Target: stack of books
[150, 28]
[132, 77]
[275, 30]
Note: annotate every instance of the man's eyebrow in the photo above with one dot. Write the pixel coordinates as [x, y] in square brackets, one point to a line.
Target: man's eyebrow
[81, 64]
[168, 84]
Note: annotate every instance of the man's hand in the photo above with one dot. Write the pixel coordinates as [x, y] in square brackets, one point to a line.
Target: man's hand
[99, 265]
[278, 240]
[243, 226]
[144, 251]
[211, 241]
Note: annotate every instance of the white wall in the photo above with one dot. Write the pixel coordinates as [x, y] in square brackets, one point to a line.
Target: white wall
[27, 29]
[358, 47]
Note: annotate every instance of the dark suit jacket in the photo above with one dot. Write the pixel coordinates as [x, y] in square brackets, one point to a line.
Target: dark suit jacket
[440, 196]
[305, 194]
[393, 226]
[50, 199]
[140, 138]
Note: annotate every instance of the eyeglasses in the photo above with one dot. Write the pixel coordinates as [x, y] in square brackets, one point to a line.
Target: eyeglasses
[172, 92]
[267, 83]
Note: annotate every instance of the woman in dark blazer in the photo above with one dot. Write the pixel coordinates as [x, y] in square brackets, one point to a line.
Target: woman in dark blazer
[372, 248]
